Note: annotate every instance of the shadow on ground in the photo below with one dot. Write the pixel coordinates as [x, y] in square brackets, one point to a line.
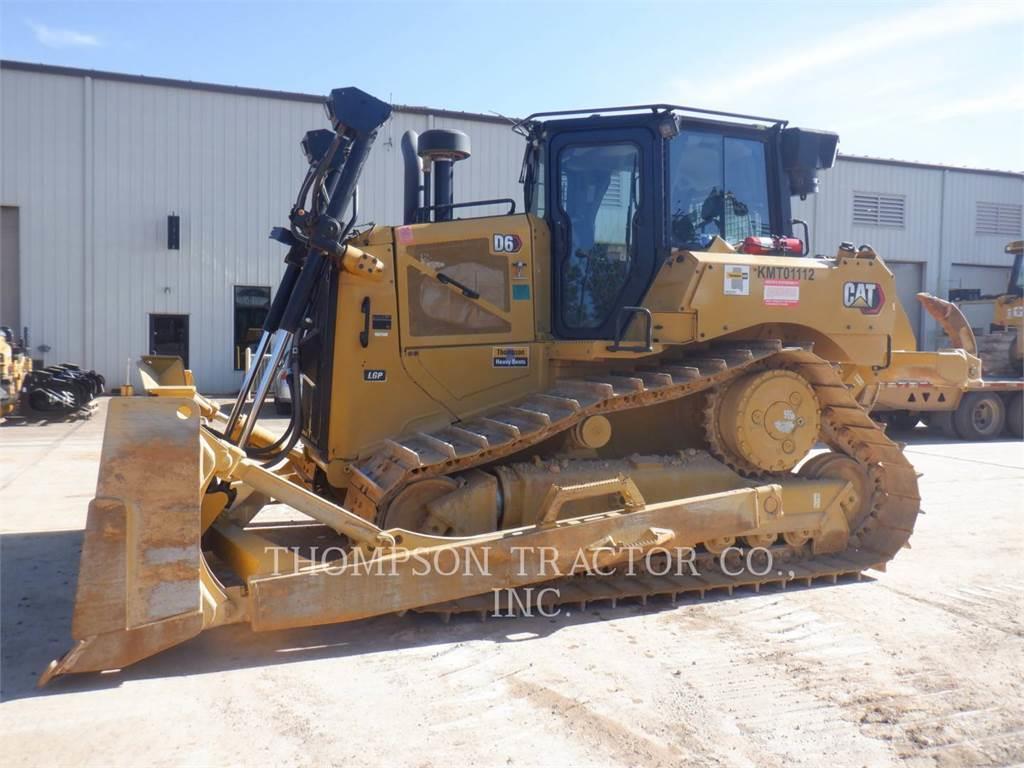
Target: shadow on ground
[38, 572]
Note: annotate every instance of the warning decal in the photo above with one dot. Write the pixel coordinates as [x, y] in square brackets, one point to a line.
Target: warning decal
[781, 293]
[737, 280]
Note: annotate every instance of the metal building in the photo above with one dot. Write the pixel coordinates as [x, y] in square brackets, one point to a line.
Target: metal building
[95, 164]
[937, 227]
[99, 169]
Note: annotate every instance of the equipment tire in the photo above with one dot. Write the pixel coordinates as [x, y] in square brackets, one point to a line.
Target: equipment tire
[1015, 414]
[980, 416]
[942, 421]
[282, 407]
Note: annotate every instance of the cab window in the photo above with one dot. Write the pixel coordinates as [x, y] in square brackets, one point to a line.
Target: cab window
[719, 186]
[599, 195]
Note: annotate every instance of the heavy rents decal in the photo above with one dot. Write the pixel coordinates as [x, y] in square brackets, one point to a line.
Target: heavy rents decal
[510, 357]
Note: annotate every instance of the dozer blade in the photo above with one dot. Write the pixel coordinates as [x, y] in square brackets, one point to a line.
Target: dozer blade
[139, 577]
[949, 316]
[166, 375]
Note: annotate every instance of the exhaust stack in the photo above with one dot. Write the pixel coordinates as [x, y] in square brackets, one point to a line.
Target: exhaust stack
[442, 148]
[413, 198]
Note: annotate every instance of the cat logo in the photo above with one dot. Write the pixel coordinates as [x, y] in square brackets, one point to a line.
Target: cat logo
[867, 297]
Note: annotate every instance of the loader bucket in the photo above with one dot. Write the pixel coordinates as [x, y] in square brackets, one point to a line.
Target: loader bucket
[166, 375]
[139, 576]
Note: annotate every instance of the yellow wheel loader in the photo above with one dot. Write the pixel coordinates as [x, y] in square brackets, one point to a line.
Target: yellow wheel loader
[615, 394]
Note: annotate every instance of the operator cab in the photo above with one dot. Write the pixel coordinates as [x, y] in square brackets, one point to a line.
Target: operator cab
[622, 189]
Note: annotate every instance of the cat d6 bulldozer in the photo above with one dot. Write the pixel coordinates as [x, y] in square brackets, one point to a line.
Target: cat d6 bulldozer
[641, 386]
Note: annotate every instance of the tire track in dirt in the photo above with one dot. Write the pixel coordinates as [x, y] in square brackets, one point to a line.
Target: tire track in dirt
[925, 714]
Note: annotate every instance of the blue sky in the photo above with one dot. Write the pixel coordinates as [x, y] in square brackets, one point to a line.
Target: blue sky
[937, 82]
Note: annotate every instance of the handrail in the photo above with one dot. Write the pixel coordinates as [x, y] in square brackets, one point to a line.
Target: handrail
[420, 219]
[620, 328]
[655, 108]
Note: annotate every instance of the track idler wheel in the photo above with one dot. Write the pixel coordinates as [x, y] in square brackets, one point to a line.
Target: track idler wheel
[763, 422]
[856, 505]
[408, 509]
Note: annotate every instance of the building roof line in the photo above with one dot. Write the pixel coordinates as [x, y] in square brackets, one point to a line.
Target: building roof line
[311, 98]
[932, 166]
[238, 90]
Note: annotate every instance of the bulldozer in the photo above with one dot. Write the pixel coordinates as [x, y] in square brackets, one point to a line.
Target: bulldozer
[1002, 347]
[641, 386]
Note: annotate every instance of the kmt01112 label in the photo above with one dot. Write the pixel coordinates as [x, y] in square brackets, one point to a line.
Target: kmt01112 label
[785, 273]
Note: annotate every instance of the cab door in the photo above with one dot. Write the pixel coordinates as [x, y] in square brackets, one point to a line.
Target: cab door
[603, 211]
[465, 291]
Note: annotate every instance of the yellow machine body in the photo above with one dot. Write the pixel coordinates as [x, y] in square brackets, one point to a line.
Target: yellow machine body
[457, 450]
[1007, 347]
[14, 367]
[973, 390]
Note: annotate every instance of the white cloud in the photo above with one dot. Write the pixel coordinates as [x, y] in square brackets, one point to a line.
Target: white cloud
[915, 83]
[860, 41]
[53, 37]
[1000, 102]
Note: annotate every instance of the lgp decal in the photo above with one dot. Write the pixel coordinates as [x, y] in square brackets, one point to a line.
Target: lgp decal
[510, 357]
[506, 243]
[867, 297]
[375, 375]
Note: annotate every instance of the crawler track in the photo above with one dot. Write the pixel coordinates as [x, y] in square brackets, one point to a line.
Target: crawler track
[846, 428]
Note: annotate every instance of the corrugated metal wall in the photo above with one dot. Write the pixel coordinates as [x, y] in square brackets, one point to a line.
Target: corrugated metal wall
[939, 226]
[42, 171]
[95, 166]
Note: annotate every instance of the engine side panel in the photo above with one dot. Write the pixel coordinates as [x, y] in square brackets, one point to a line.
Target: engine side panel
[848, 305]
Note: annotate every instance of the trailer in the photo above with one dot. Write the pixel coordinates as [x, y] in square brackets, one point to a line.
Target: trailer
[947, 389]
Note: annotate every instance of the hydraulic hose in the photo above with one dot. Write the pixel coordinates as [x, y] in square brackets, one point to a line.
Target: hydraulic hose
[295, 386]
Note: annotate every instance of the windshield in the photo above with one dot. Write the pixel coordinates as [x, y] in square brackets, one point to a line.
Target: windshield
[719, 186]
[599, 196]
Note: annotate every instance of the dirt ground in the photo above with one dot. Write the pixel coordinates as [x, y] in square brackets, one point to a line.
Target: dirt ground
[922, 665]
